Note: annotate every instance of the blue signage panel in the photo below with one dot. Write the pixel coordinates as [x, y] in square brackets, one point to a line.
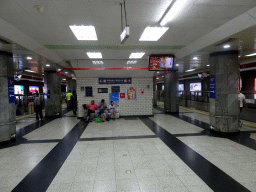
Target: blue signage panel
[102, 90]
[11, 90]
[88, 91]
[115, 89]
[212, 86]
[115, 80]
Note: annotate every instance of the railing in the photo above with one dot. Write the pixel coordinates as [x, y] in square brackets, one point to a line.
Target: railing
[203, 96]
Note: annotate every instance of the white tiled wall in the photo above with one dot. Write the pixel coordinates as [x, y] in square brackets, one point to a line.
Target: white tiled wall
[143, 105]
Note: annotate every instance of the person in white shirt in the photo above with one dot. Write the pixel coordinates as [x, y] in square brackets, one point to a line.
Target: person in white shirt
[241, 98]
[112, 109]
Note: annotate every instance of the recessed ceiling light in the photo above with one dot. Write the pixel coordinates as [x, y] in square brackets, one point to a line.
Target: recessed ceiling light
[47, 65]
[59, 69]
[195, 58]
[153, 33]
[157, 71]
[131, 62]
[66, 72]
[98, 62]
[136, 55]
[207, 65]
[29, 58]
[162, 76]
[177, 65]
[173, 11]
[64, 79]
[190, 70]
[226, 46]
[84, 32]
[94, 55]
[27, 70]
[250, 55]
[157, 78]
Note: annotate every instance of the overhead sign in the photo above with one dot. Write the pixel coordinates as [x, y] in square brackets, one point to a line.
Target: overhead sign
[212, 86]
[115, 80]
[11, 94]
[125, 34]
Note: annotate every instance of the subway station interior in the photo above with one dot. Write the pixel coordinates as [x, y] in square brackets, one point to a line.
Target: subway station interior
[127, 95]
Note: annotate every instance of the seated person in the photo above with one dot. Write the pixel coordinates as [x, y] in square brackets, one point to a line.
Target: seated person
[102, 111]
[91, 109]
[111, 109]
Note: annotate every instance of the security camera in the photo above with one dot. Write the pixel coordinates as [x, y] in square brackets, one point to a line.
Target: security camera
[200, 76]
[17, 77]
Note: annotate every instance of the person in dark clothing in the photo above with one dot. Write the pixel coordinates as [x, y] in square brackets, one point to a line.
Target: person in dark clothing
[74, 102]
[38, 103]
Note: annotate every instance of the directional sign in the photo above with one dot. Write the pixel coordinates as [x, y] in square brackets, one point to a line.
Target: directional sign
[11, 90]
[212, 86]
[115, 80]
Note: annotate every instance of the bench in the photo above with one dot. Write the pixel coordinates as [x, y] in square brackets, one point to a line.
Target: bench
[92, 115]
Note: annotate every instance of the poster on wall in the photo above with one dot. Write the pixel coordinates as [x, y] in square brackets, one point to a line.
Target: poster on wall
[131, 94]
[115, 89]
[114, 97]
[122, 95]
[102, 90]
[88, 91]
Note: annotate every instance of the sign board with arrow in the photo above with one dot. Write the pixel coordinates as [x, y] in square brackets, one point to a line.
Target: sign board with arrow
[11, 90]
[212, 86]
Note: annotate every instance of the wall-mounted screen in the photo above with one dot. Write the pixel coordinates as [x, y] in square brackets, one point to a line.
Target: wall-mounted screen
[33, 89]
[195, 87]
[181, 87]
[161, 62]
[19, 89]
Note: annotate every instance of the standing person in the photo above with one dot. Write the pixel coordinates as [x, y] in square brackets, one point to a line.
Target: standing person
[30, 100]
[241, 98]
[112, 109]
[74, 102]
[102, 111]
[68, 98]
[91, 109]
[39, 107]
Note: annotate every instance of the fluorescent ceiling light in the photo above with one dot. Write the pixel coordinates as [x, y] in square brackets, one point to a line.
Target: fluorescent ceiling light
[84, 32]
[127, 67]
[173, 11]
[29, 71]
[47, 65]
[97, 62]
[153, 33]
[136, 55]
[250, 55]
[195, 58]
[226, 46]
[131, 62]
[207, 65]
[190, 70]
[29, 58]
[96, 55]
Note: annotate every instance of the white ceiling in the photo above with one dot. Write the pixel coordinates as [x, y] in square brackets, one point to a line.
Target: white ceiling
[51, 27]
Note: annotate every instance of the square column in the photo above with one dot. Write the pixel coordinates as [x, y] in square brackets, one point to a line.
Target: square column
[53, 100]
[171, 98]
[7, 108]
[224, 108]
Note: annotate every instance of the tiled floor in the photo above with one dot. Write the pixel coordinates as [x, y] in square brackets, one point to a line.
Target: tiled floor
[128, 154]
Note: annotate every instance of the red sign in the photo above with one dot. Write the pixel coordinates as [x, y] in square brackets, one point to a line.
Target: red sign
[122, 95]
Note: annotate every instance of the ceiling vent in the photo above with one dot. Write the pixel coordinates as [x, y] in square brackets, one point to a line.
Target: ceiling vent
[229, 40]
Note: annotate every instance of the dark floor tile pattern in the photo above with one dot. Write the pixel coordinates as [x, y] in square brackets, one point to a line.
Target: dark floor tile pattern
[215, 178]
[40, 178]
